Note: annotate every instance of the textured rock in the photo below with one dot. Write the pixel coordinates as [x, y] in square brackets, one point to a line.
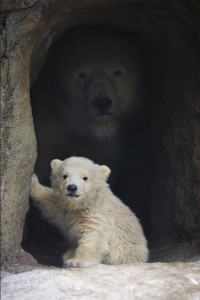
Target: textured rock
[18, 141]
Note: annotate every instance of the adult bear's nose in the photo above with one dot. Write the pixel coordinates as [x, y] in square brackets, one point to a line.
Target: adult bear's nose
[102, 105]
[72, 188]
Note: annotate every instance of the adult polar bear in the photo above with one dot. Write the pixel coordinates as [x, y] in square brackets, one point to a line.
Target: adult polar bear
[89, 88]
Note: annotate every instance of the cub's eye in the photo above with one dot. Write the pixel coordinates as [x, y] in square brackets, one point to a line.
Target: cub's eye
[64, 176]
[117, 73]
[85, 178]
[82, 75]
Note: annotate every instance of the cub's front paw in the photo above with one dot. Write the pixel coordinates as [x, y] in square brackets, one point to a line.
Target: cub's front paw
[78, 263]
[68, 255]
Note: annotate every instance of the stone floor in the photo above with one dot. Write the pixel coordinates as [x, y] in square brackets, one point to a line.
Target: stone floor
[140, 281]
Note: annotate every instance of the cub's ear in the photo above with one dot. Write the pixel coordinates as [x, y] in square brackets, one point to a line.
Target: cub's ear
[55, 163]
[105, 171]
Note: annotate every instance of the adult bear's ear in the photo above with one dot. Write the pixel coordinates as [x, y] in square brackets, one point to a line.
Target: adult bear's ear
[105, 171]
[55, 163]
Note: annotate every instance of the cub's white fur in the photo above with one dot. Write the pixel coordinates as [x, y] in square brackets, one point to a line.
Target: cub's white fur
[101, 229]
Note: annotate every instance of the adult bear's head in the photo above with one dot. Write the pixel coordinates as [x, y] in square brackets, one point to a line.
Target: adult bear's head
[99, 78]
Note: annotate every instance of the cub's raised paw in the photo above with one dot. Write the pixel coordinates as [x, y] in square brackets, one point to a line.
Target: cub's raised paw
[78, 263]
[34, 185]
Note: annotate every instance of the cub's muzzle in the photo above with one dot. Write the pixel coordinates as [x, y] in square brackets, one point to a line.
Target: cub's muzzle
[72, 189]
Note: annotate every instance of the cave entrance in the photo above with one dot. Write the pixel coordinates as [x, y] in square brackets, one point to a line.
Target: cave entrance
[148, 148]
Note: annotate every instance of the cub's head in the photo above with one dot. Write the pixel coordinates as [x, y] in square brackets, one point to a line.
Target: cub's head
[76, 178]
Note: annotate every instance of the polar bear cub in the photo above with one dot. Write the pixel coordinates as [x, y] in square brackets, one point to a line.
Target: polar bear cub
[100, 228]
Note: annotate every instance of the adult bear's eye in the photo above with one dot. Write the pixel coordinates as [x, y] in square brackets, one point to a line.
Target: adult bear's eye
[85, 178]
[117, 73]
[64, 176]
[82, 75]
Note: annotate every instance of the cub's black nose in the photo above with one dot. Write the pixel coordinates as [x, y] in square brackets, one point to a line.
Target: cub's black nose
[102, 105]
[72, 188]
